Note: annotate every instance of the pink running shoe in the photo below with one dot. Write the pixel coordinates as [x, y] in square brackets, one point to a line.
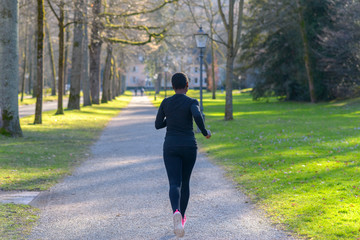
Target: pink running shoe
[178, 228]
[183, 221]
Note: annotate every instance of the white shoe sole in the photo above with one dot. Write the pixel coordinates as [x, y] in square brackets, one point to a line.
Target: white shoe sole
[178, 228]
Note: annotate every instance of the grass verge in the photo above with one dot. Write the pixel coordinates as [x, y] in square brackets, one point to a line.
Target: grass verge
[298, 161]
[16, 221]
[49, 151]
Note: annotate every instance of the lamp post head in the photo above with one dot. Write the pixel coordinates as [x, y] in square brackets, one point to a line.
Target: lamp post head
[201, 38]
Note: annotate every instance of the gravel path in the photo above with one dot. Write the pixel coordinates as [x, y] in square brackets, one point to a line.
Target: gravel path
[121, 192]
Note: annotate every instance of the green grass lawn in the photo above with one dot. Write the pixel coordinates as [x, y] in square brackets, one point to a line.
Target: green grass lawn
[298, 161]
[47, 153]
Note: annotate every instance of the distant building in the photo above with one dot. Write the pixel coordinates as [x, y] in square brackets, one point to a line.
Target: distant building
[189, 63]
[135, 75]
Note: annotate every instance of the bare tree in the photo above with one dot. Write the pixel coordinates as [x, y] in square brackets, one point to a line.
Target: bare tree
[39, 61]
[85, 75]
[9, 74]
[77, 58]
[52, 61]
[233, 29]
[209, 17]
[61, 23]
[95, 52]
[108, 74]
[25, 63]
[129, 22]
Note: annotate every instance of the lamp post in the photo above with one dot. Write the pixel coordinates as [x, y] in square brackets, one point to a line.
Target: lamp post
[201, 39]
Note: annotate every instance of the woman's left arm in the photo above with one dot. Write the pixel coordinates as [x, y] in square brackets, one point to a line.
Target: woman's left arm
[160, 121]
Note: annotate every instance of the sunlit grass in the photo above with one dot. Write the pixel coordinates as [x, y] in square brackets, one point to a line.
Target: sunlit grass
[46, 154]
[16, 221]
[298, 161]
[48, 151]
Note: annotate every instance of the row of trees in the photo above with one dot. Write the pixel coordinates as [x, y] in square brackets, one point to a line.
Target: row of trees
[115, 23]
[298, 50]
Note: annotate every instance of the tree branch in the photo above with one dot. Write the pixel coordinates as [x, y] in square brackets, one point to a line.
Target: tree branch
[69, 23]
[239, 26]
[139, 27]
[53, 10]
[158, 36]
[223, 16]
[140, 12]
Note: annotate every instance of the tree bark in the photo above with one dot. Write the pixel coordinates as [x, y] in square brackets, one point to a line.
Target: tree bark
[60, 109]
[34, 66]
[85, 75]
[52, 61]
[95, 53]
[229, 88]
[9, 74]
[76, 61]
[39, 61]
[232, 46]
[66, 49]
[214, 87]
[114, 77]
[30, 51]
[158, 83]
[106, 93]
[23, 78]
[229, 64]
[306, 54]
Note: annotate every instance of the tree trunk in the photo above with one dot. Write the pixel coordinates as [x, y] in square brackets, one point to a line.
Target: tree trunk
[214, 87]
[232, 48]
[60, 109]
[111, 87]
[85, 75]
[228, 88]
[306, 54]
[106, 93]
[52, 61]
[34, 67]
[95, 53]
[24, 64]
[76, 61]
[158, 83]
[39, 61]
[29, 83]
[114, 78]
[9, 74]
[120, 83]
[66, 49]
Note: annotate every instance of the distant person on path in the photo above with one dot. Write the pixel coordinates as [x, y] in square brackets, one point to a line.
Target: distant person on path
[180, 148]
[135, 91]
[142, 91]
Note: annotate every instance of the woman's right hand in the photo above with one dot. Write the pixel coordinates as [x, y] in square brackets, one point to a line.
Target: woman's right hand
[209, 134]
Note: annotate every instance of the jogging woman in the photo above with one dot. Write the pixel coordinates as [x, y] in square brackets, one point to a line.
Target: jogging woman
[176, 113]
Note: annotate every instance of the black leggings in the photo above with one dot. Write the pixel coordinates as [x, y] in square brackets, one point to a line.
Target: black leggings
[179, 163]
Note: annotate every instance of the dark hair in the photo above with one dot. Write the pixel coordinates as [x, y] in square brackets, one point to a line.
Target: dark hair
[179, 80]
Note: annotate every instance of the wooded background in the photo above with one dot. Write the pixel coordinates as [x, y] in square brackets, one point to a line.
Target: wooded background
[299, 50]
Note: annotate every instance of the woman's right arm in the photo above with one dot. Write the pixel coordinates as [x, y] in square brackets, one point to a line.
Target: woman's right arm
[160, 121]
[195, 110]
